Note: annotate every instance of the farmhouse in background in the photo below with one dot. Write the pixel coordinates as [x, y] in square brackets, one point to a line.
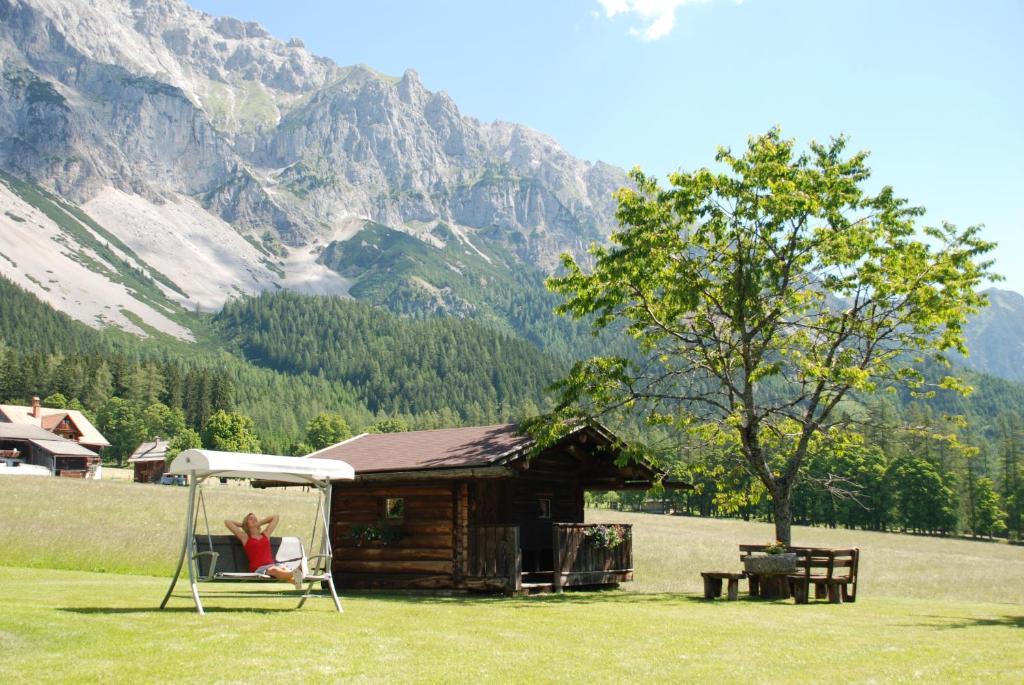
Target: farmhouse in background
[149, 460]
[23, 444]
[69, 424]
[470, 509]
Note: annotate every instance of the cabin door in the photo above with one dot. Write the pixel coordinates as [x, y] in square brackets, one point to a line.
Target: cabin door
[535, 534]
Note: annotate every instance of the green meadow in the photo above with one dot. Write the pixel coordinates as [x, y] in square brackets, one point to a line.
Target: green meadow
[85, 566]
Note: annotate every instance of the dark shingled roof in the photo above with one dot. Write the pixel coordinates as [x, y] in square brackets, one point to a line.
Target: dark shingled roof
[445, 448]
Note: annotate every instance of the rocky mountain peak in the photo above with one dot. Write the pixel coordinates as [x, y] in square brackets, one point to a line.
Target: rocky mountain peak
[146, 112]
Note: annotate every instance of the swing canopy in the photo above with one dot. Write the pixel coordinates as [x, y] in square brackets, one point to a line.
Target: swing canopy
[200, 464]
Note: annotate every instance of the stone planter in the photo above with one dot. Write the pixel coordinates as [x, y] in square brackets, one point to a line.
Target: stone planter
[770, 563]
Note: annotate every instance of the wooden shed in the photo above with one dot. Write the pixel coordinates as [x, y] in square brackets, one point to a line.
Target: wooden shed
[469, 509]
[148, 461]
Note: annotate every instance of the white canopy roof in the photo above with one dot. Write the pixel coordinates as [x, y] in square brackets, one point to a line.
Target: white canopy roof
[202, 463]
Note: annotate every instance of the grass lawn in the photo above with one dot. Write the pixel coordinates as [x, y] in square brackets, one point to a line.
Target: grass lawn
[71, 626]
[929, 610]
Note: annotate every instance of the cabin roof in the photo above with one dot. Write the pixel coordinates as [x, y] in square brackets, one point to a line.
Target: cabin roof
[59, 447]
[151, 450]
[445, 448]
[21, 431]
[23, 415]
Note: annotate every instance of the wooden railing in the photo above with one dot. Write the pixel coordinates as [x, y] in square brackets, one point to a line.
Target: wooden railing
[494, 559]
[580, 559]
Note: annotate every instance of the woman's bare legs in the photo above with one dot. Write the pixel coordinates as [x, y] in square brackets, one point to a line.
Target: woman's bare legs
[281, 573]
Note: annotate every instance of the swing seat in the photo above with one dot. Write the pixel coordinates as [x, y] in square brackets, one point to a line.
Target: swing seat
[222, 557]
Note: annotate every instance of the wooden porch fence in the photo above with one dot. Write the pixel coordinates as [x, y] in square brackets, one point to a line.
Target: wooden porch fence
[578, 562]
[495, 559]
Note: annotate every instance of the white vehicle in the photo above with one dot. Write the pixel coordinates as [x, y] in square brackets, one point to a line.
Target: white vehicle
[12, 467]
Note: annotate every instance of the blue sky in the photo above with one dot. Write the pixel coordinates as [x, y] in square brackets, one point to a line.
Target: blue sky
[934, 89]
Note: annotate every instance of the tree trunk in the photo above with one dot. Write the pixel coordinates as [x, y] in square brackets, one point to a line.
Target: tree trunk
[782, 508]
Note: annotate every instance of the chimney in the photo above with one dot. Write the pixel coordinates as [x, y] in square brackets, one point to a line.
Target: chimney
[36, 409]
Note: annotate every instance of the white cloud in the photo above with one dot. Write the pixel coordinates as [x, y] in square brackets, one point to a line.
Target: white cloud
[659, 16]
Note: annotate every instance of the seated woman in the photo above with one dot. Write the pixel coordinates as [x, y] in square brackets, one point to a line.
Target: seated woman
[254, 534]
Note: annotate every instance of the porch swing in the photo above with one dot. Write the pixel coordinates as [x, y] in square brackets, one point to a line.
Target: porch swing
[212, 558]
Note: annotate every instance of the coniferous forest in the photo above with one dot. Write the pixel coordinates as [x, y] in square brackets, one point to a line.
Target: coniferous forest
[271, 372]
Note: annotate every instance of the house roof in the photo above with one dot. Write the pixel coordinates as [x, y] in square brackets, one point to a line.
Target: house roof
[154, 450]
[23, 415]
[54, 444]
[21, 431]
[59, 447]
[444, 448]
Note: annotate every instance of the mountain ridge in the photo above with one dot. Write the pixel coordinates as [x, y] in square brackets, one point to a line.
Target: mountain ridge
[266, 135]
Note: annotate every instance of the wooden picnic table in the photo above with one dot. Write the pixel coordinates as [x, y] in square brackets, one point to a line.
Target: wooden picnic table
[768, 585]
[831, 571]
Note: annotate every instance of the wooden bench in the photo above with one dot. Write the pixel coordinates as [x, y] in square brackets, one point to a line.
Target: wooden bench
[713, 584]
[832, 571]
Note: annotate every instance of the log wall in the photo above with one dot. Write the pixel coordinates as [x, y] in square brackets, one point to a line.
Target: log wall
[424, 558]
[148, 471]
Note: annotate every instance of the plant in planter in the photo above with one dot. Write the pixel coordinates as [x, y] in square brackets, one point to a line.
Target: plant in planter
[379, 532]
[774, 559]
[606, 537]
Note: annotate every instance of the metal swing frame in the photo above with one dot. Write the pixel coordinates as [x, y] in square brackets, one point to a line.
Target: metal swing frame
[188, 559]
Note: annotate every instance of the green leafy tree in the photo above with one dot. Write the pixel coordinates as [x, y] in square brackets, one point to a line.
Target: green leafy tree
[122, 423]
[923, 502]
[230, 432]
[391, 425]
[300, 448]
[55, 401]
[163, 421]
[763, 295]
[326, 429]
[989, 517]
[186, 439]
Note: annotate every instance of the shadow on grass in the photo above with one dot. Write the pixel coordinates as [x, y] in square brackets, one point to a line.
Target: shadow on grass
[570, 598]
[100, 611]
[579, 598]
[963, 622]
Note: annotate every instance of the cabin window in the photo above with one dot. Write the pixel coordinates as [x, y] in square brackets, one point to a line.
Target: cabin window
[544, 508]
[394, 508]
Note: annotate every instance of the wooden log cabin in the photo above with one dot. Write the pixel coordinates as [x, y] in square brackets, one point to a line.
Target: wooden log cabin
[470, 509]
[148, 461]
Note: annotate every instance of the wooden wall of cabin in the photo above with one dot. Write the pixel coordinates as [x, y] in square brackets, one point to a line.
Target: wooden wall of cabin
[425, 557]
[550, 478]
[148, 471]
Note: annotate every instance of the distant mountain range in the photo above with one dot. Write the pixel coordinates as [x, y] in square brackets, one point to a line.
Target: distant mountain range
[995, 336]
[155, 159]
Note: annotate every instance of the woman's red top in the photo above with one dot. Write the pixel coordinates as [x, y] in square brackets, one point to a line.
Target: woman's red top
[258, 551]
